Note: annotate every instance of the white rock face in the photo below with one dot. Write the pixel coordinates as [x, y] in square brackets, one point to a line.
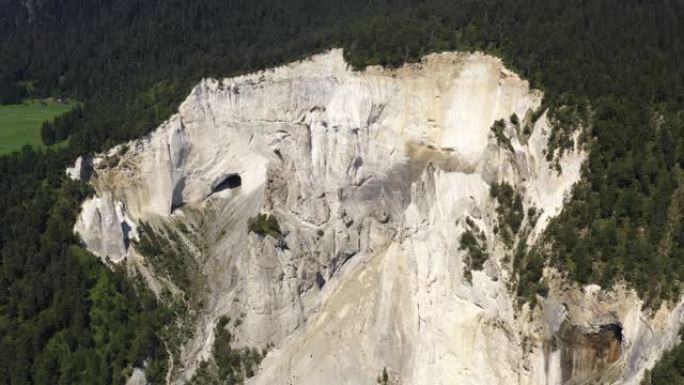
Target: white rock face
[137, 377]
[371, 176]
[82, 169]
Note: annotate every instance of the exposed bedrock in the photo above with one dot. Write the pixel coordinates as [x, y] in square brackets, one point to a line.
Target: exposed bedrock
[373, 176]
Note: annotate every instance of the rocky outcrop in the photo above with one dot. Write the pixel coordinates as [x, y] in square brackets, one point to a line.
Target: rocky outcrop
[373, 177]
[83, 168]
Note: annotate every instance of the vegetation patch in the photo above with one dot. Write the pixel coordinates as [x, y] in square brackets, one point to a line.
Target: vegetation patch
[473, 241]
[515, 120]
[565, 120]
[501, 139]
[527, 264]
[265, 225]
[171, 256]
[229, 365]
[173, 250]
[383, 378]
[529, 268]
[510, 210]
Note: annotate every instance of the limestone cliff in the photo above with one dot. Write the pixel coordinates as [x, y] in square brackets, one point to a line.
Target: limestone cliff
[373, 176]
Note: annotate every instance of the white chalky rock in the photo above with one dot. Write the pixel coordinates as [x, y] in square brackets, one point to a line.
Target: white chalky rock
[371, 176]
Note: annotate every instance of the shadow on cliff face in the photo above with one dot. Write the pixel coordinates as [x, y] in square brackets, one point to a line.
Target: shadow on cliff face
[126, 230]
[585, 356]
[396, 183]
[177, 195]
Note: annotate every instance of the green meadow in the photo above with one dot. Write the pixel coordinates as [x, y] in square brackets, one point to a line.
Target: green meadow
[20, 123]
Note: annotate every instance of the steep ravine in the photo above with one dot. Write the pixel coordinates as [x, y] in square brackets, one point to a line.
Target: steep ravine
[373, 178]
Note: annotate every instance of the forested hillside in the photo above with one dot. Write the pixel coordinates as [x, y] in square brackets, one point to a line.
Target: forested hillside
[612, 68]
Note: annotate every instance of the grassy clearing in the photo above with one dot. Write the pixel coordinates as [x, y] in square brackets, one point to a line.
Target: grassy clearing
[20, 123]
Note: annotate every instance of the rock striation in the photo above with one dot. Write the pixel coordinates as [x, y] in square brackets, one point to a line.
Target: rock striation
[373, 177]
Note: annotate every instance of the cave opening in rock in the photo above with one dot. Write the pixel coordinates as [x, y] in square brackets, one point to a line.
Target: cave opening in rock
[231, 181]
[615, 329]
[588, 353]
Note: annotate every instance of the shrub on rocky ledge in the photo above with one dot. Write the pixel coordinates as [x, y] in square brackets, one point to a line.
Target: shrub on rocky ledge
[264, 224]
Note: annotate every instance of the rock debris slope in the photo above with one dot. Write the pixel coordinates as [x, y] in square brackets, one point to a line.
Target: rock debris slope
[373, 177]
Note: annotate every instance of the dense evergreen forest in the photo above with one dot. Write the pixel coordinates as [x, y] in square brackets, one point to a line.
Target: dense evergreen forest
[611, 67]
